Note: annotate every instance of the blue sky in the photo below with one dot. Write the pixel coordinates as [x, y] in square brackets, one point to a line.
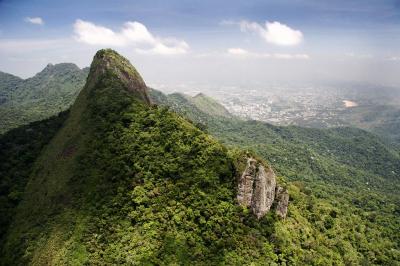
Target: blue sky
[217, 42]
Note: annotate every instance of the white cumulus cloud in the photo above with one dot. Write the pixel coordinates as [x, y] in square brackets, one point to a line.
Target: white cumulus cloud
[34, 20]
[133, 34]
[274, 32]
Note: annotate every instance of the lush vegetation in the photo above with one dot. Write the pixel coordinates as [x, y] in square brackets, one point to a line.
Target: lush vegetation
[124, 182]
[351, 179]
[50, 91]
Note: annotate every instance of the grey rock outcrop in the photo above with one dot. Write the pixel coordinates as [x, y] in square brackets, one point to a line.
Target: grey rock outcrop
[264, 191]
[245, 190]
[282, 198]
[256, 188]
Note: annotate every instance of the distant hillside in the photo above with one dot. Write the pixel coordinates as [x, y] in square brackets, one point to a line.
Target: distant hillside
[348, 146]
[8, 84]
[209, 106]
[47, 93]
[383, 120]
[203, 103]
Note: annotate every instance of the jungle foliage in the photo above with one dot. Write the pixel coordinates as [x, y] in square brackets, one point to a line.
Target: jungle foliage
[350, 177]
[118, 181]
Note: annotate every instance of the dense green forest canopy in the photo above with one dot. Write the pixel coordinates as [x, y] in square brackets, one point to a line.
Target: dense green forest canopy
[347, 169]
[126, 182]
[118, 181]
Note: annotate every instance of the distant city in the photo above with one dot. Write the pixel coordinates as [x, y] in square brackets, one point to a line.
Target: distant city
[312, 106]
[284, 106]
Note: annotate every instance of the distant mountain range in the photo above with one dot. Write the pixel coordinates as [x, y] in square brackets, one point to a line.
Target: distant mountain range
[50, 91]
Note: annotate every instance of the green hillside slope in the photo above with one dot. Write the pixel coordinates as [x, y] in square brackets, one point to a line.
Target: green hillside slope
[348, 171]
[209, 106]
[46, 94]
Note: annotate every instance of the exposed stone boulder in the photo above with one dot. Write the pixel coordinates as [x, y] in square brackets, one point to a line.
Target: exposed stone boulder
[264, 191]
[256, 188]
[282, 198]
[245, 189]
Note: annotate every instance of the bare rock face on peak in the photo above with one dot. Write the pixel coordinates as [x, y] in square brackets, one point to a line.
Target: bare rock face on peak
[106, 62]
[257, 189]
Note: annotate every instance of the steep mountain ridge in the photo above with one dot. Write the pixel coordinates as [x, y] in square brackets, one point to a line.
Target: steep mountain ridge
[50, 188]
[125, 182]
[109, 62]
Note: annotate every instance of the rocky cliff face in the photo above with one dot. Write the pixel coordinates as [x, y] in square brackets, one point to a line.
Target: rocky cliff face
[257, 189]
[245, 189]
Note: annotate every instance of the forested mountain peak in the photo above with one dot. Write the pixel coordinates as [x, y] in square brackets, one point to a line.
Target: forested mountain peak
[122, 172]
[47, 93]
[110, 65]
[58, 68]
